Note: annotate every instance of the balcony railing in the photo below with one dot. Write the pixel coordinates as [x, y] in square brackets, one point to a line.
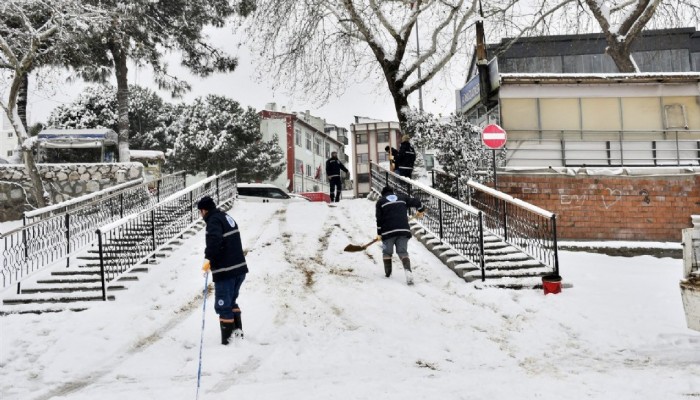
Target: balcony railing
[564, 148]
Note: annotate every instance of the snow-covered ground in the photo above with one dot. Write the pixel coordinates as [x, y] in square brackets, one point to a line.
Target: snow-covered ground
[324, 324]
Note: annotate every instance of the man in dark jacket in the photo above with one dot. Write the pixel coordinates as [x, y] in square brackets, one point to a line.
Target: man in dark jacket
[407, 157]
[393, 229]
[333, 167]
[393, 156]
[226, 260]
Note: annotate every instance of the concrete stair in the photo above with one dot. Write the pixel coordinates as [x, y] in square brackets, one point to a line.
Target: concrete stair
[505, 266]
[77, 287]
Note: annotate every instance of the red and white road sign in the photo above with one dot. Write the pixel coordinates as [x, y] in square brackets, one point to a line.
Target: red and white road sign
[493, 136]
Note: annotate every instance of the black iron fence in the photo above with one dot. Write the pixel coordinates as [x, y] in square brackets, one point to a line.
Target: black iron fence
[524, 226]
[461, 224]
[55, 233]
[155, 189]
[457, 225]
[529, 228]
[132, 240]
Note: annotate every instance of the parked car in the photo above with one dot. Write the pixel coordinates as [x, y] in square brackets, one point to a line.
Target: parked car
[266, 193]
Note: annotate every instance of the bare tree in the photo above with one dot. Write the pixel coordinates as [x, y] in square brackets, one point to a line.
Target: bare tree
[314, 46]
[28, 30]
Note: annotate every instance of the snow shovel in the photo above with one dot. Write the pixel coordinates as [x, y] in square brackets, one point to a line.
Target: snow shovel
[354, 248]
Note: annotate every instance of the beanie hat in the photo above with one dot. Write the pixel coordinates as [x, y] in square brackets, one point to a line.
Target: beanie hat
[387, 190]
[405, 138]
[206, 203]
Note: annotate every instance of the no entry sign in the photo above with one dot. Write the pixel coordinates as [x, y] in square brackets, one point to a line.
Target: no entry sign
[493, 136]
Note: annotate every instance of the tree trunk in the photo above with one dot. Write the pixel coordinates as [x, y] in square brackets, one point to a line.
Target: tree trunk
[622, 57]
[28, 158]
[121, 71]
[22, 101]
[33, 171]
[397, 92]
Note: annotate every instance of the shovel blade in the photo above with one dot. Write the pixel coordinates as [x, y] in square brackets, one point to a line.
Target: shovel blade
[353, 248]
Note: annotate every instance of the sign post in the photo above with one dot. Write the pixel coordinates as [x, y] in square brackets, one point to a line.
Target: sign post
[494, 137]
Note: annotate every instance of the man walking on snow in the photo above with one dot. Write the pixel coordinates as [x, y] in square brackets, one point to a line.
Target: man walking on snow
[226, 260]
[333, 167]
[393, 229]
[406, 157]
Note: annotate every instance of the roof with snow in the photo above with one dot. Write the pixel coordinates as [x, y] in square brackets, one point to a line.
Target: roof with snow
[668, 50]
[147, 154]
[593, 78]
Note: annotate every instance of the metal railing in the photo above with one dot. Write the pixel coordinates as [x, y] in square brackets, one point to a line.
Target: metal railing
[529, 228]
[49, 236]
[132, 240]
[158, 188]
[456, 224]
[462, 226]
[570, 148]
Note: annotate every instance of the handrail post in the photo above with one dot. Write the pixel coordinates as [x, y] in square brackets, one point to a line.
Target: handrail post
[67, 223]
[440, 218]
[505, 220]
[556, 246]
[482, 257]
[158, 190]
[102, 265]
[153, 229]
[121, 205]
[218, 196]
[190, 209]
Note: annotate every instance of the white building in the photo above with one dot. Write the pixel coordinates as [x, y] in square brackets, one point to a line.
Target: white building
[369, 139]
[8, 140]
[306, 147]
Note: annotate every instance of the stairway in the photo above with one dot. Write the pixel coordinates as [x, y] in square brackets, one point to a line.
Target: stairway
[506, 266]
[77, 287]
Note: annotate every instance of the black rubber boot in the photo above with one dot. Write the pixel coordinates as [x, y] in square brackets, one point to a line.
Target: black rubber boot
[407, 269]
[226, 331]
[387, 267]
[237, 324]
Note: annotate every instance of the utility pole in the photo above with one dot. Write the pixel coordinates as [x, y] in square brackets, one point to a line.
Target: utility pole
[420, 88]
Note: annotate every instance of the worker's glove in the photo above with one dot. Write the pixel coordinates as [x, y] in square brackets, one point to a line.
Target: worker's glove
[379, 237]
[206, 267]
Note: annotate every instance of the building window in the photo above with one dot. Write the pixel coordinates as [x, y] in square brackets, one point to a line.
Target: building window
[317, 146]
[297, 137]
[328, 150]
[362, 158]
[362, 178]
[360, 138]
[308, 170]
[9, 153]
[383, 137]
[383, 156]
[308, 141]
[298, 166]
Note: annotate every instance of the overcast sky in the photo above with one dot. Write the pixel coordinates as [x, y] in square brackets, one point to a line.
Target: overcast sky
[369, 99]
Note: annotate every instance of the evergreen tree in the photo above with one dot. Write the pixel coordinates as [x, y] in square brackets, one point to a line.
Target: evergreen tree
[217, 134]
[150, 117]
[460, 151]
[143, 31]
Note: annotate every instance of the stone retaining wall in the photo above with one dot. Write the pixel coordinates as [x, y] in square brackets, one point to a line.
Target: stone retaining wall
[61, 181]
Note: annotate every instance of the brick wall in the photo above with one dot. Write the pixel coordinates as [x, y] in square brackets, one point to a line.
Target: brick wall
[653, 208]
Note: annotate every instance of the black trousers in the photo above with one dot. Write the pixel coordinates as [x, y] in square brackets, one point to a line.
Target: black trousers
[336, 187]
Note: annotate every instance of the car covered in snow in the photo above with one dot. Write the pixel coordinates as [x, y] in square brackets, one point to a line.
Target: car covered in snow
[266, 193]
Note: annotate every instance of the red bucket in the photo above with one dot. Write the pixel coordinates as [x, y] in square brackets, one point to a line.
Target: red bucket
[551, 284]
